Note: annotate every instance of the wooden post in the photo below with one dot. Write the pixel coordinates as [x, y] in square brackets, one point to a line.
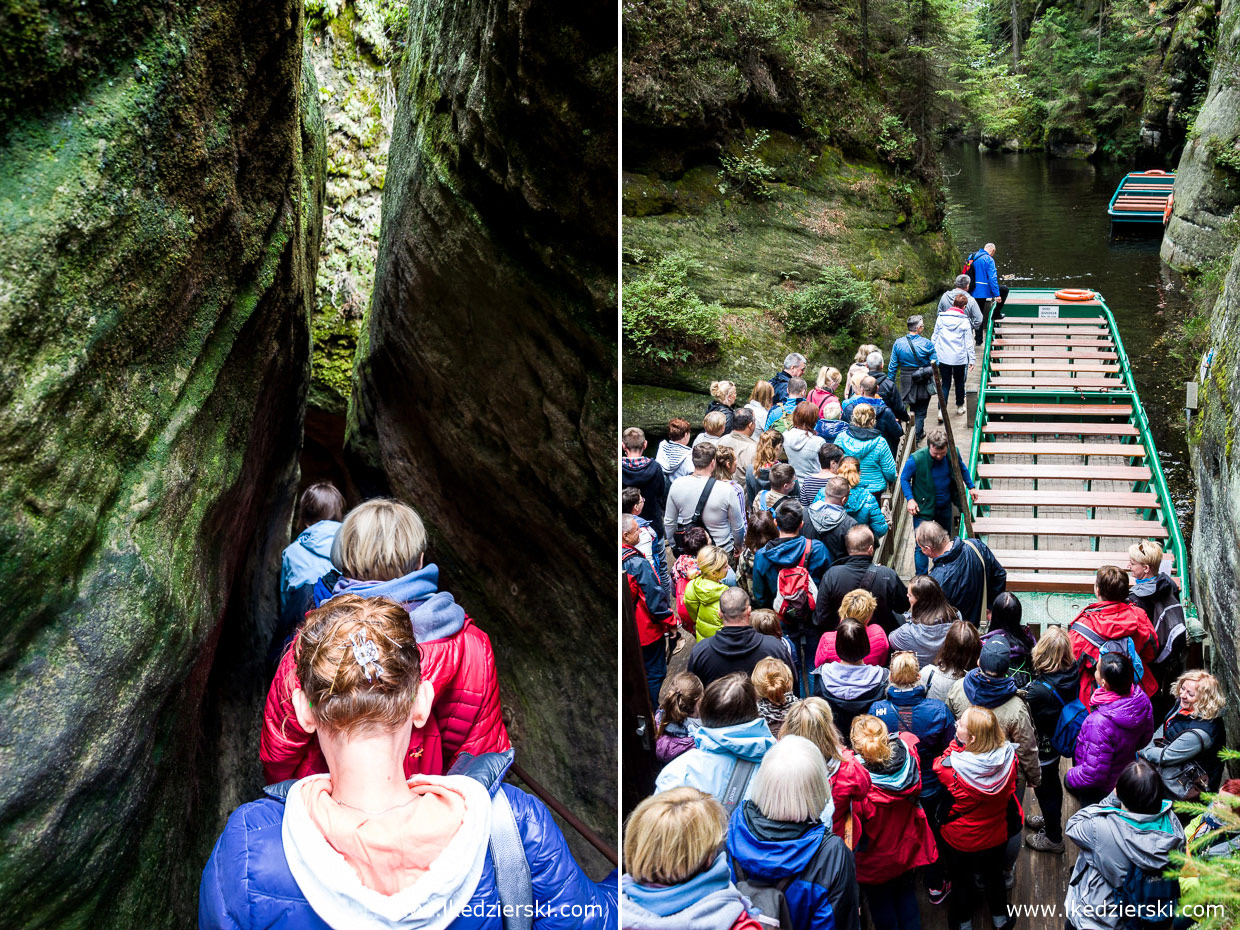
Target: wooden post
[953, 456]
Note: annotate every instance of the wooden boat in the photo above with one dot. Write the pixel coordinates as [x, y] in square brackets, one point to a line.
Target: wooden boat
[1063, 457]
[1142, 197]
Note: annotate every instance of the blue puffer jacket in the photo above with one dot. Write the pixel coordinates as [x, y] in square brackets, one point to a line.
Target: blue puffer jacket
[963, 578]
[909, 710]
[863, 508]
[823, 895]
[867, 444]
[247, 883]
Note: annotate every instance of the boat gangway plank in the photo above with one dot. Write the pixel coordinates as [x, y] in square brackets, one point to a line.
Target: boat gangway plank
[1067, 473]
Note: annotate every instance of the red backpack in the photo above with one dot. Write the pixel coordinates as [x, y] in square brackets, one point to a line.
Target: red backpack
[796, 595]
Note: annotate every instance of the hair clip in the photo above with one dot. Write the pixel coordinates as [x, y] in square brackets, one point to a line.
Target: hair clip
[367, 654]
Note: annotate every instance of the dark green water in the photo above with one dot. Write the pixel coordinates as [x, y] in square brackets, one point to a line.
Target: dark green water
[1048, 220]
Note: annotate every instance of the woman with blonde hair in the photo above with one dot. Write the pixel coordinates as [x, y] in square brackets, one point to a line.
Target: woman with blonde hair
[900, 838]
[365, 844]
[773, 681]
[702, 593]
[863, 440]
[725, 470]
[861, 504]
[723, 398]
[858, 370]
[850, 782]
[761, 400]
[857, 605]
[1156, 592]
[1055, 685]
[979, 772]
[776, 838]
[767, 454]
[676, 872]
[828, 382]
[1185, 749]
[380, 551]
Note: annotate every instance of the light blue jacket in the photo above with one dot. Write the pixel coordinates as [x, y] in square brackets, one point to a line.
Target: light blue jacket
[872, 451]
[862, 507]
[308, 559]
[910, 352]
[708, 765]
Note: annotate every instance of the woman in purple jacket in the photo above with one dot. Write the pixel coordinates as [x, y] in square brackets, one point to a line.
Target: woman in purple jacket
[364, 847]
[1120, 721]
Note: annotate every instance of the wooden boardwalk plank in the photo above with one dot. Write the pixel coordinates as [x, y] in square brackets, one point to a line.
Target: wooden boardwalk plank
[1051, 471]
[1085, 342]
[1040, 526]
[1010, 427]
[1038, 351]
[1003, 366]
[1087, 410]
[1137, 500]
[1063, 559]
[1104, 383]
[1125, 450]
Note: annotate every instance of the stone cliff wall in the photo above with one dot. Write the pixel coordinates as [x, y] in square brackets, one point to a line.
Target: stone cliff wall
[486, 378]
[160, 202]
[1207, 183]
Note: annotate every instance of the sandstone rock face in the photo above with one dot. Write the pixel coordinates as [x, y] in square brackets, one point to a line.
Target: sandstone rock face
[1207, 183]
[1216, 466]
[160, 199]
[486, 377]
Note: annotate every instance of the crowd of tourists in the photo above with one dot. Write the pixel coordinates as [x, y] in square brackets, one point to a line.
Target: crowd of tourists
[840, 740]
[385, 751]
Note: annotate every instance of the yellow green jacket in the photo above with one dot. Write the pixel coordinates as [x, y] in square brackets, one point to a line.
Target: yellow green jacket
[702, 601]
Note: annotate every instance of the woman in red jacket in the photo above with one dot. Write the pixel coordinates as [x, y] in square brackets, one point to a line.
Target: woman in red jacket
[1112, 618]
[380, 552]
[850, 782]
[899, 836]
[979, 771]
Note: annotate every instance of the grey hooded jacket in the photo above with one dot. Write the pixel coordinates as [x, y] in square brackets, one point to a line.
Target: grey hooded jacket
[1111, 841]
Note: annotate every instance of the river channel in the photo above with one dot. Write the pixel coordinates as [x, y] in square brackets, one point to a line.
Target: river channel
[1048, 220]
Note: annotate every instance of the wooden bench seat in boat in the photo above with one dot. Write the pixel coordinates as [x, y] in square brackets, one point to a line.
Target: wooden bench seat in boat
[1042, 526]
[1124, 449]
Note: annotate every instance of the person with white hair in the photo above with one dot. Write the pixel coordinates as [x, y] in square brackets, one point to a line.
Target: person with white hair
[986, 287]
[794, 367]
[961, 286]
[777, 836]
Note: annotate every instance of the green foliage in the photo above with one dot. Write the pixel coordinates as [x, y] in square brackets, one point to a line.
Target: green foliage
[664, 319]
[836, 303]
[1205, 882]
[747, 173]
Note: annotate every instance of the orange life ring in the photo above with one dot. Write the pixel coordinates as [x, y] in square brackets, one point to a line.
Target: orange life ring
[1155, 171]
[1167, 208]
[1069, 293]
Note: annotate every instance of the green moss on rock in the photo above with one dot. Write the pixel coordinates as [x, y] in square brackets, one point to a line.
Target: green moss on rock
[160, 241]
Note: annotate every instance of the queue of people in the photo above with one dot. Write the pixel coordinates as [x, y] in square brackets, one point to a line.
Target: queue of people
[385, 752]
[934, 712]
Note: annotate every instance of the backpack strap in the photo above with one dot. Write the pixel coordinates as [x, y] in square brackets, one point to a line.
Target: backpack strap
[1092, 636]
[513, 878]
[738, 781]
[985, 580]
[809, 545]
[701, 504]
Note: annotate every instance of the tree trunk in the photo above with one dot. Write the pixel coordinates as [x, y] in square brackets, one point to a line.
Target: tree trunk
[1016, 35]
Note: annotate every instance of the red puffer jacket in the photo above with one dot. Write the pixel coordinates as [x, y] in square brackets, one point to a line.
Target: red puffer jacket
[980, 792]
[898, 836]
[456, 659]
[1113, 620]
[850, 790]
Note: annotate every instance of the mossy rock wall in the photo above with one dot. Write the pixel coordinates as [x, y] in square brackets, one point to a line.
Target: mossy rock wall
[353, 51]
[486, 378]
[160, 198]
[823, 210]
[1207, 182]
[1181, 73]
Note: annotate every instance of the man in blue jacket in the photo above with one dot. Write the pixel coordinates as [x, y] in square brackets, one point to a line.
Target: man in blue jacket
[967, 571]
[986, 287]
[910, 355]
